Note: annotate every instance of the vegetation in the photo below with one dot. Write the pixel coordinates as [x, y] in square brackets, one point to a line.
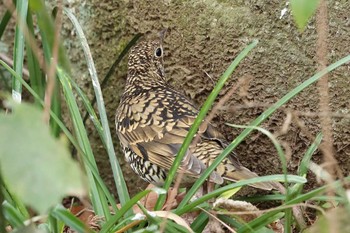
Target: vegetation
[37, 169]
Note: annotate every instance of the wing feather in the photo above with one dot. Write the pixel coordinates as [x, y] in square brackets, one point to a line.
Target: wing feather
[155, 133]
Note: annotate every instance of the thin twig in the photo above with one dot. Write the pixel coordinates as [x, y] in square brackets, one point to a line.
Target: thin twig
[326, 121]
[52, 68]
[213, 216]
[9, 62]
[271, 209]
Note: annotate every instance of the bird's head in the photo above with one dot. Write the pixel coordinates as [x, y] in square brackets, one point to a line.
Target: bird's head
[146, 62]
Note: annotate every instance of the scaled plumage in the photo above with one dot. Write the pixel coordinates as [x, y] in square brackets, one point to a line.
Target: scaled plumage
[153, 119]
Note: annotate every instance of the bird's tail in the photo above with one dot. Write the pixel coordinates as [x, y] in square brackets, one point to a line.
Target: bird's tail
[235, 174]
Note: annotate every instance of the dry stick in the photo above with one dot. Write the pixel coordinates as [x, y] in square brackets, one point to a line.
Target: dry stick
[326, 121]
[330, 163]
[316, 207]
[9, 62]
[129, 226]
[52, 69]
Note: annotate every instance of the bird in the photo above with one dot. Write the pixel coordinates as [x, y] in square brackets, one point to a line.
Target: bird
[153, 119]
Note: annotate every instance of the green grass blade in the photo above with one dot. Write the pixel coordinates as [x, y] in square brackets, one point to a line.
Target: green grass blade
[98, 199]
[90, 110]
[16, 202]
[170, 226]
[173, 227]
[288, 212]
[274, 141]
[48, 32]
[99, 129]
[264, 223]
[297, 188]
[149, 217]
[288, 220]
[12, 215]
[230, 221]
[329, 198]
[70, 220]
[215, 193]
[302, 170]
[37, 79]
[114, 66]
[271, 197]
[18, 53]
[13, 200]
[117, 172]
[56, 108]
[4, 22]
[261, 221]
[2, 200]
[200, 222]
[53, 224]
[201, 115]
[127, 207]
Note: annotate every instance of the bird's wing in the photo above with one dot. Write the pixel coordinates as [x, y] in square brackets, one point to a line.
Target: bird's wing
[155, 125]
[219, 141]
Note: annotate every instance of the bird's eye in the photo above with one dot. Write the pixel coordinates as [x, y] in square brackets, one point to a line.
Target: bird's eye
[158, 52]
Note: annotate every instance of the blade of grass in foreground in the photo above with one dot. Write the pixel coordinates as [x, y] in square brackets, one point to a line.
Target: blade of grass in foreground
[70, 220]
[302, 170]
[99, 200]
[18, 56]
[13, 216]
[215, 193]
[2, 200]
[50, 39]
[127, 207]
[4, 21]
[274, 141]
[37, 80]
[281, 155]
[201, 115]
[257, 122]
[117, 172]
[114, 66]
[200, 222]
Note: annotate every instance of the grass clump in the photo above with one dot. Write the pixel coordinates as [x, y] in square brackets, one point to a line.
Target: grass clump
[39, 123]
